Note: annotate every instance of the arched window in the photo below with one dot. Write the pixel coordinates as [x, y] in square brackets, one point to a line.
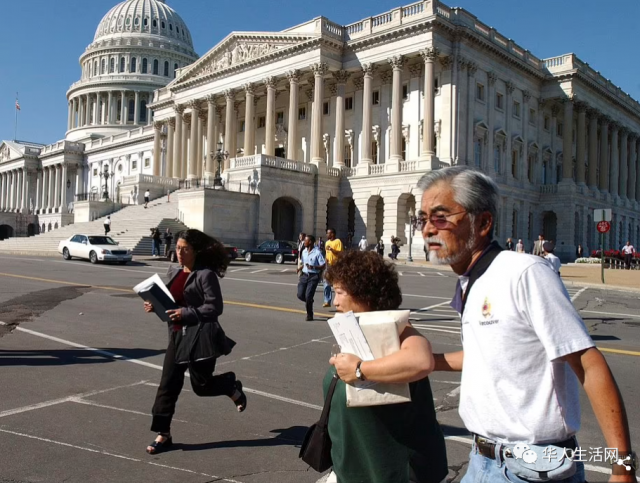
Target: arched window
[177, 30]
[95, 68]
[146, 21]
[137, 21]
[175, 68]
[134, 62]
[171, 27]
[155, 67]
[166, 68]
[132, 110]
[145, 66]
[122, 64]
[112, 65]
[143, 111]
[155, 23]
[103, 68]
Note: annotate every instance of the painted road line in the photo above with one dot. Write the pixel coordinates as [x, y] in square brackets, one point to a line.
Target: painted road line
[114, 455]
[425, 309]
[120, 357]
[611, 313]
[421, 274]
[239, 269]
[261, 270]
[619, 351]
[578, 293]
[424, 327]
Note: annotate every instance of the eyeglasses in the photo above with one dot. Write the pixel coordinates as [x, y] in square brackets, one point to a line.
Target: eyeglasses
[441, 222]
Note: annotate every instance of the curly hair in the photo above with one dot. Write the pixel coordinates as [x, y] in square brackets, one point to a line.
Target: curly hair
[369, 279]
[210, 252]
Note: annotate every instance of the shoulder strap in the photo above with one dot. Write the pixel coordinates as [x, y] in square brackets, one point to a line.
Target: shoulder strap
[324, 418]
[479, 269]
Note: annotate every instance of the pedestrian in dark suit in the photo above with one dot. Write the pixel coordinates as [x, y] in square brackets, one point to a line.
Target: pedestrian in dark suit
[196, 339]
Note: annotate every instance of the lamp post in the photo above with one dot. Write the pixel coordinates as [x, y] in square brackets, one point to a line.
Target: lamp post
[219, 156]
[106, 174]
[411, 224]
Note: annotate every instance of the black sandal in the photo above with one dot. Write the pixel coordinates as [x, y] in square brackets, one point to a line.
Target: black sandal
[160, 446]
[241, 402]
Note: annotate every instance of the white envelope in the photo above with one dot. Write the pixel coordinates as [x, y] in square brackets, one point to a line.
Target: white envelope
[382, 330]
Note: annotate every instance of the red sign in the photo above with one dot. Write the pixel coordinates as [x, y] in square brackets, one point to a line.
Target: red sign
[603, 226]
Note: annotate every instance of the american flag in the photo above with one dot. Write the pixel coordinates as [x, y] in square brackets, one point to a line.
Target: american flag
[17, 105]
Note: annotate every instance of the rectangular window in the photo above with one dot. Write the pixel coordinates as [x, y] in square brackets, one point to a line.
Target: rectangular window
[280, 117]
[477, 153]
[348, 103]
[347, 156]
[95, 171]
[516, 109]
[559, 129]
[302, 113]
[480, 92]
[405, 91]
[532, 116]
[375, 98]
[514, 222]
[547, 123]
[262, 122]
[374, 152]
[147, 162]
[436, 83]
[499, 101]
[325, 109]
[134, 165]
[514, 163]
[241, 127]
[530, 227]
[496, 159]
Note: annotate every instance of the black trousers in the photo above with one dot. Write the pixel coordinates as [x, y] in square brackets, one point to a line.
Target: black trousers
[627, 260]
[203, 382]
[307, 285]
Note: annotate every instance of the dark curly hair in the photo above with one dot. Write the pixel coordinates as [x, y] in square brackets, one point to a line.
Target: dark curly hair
[210, 252]
[368, 278]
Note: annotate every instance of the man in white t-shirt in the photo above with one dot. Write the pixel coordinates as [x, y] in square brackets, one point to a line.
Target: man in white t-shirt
[363, 244]
[628, 252]
[520, 246]
[147, 194]
[524, 345]
[550, 257]
[107, 225]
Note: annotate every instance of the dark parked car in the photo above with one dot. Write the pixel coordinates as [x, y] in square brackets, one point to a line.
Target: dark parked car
[232, 252]
[273, 250]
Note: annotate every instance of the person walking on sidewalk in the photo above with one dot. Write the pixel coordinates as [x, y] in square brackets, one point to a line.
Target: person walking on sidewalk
[628, 252]
[107, 225]
[312, 265]
[168, 238]
[146, 198]
[155, 242]
[196, 339]
[363, 244]
[333, 246]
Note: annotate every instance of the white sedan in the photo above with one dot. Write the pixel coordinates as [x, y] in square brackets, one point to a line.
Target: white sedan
[95, 248]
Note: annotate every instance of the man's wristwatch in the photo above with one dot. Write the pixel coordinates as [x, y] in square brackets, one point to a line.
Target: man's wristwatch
[628, 460]
[359, 373]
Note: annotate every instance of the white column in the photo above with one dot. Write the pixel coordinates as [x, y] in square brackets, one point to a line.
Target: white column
[567, 141]
[87, 109]
[319, 70]
[367, 121]
[270, 128]
[293, 142]
[1, 192]
[249, 129]
[429, 56]
[624, 170]
[38, 200]
[581, 144]
[63, 188]
[26, 205]
[168, 172]
[396, 109]
[633, 159]
[94, 114]
[157, 131]
[177, 143]
[193, 143]
[110, 108]
[75, 116]
[603, 182]
[56, 189]
[79, 180]
[136, 109]
[185, 146]
[70, 115]
[149, 111]
[200, 144]
[212, 142]
[12, 190]
[229, 128]
[615, 167]
[123, 119]
[46, 183]
[19, 190]
[341, 78]
[592, 180]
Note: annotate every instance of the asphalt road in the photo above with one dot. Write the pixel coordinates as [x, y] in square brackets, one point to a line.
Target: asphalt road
[80, 362]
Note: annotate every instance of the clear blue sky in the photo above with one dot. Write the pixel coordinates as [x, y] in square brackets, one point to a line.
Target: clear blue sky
[41, 40]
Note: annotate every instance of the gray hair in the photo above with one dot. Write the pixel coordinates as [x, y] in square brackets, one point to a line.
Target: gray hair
[473, 190]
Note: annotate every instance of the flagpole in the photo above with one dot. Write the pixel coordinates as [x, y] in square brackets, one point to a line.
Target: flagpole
[15, 130]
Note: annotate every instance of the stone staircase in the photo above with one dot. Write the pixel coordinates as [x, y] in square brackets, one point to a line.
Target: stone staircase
[130, 227]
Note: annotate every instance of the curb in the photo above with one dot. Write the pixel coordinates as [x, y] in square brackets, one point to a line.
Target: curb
[617, 288]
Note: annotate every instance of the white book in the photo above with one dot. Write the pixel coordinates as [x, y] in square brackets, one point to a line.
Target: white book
[146, 285]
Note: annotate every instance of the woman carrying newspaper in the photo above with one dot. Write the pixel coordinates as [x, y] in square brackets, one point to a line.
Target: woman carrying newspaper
[396, 443]
[196, 339]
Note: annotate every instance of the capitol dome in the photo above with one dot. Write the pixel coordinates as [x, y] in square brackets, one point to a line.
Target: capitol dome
[144, 17]
[138, 47]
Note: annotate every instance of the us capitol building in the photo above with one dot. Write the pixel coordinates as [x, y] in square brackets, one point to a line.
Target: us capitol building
[272, 133]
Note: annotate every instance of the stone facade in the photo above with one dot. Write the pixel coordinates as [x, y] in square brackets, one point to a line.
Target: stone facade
[328, 125]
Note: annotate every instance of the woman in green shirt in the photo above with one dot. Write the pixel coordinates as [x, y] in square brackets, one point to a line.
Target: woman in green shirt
[397, 443]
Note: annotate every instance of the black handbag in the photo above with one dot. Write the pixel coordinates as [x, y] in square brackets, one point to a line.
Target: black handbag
[316, 447]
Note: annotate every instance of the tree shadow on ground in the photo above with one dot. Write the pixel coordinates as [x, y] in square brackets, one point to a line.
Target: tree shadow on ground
[67, 357]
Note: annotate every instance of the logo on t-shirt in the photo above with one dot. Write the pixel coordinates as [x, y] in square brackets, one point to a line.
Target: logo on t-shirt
[486, 308]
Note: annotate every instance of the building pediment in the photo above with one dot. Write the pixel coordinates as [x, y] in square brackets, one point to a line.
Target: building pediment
[239, 50]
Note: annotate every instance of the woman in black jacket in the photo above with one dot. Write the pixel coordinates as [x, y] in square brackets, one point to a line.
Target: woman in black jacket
[196, 339]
